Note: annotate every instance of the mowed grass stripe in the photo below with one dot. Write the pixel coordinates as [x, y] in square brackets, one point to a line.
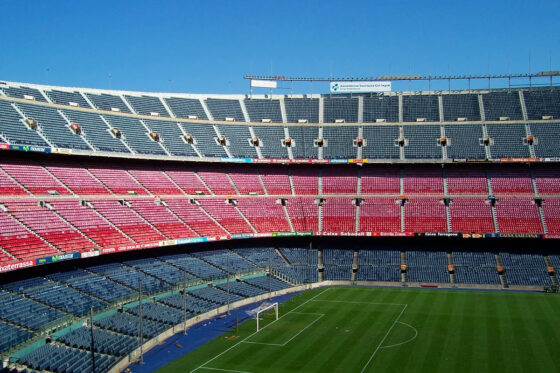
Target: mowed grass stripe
[467, 331]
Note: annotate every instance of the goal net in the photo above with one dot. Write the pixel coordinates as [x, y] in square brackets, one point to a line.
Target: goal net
[266, 312]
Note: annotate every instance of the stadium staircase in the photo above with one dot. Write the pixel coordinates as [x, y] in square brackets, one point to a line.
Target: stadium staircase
[213, 219]
[320, 265]
[452, 276]
[82, 134]
[138, 181]
[232, 184]
[245, 218]
[58, 180]
[503, 278]
[6, 174]
[355, 268]
[20, 221]
[172, 181]
[553, 276]
[73, 226]
[42, 302]
[90, 205]
[288, 219]
[204, 183]
[403, 262]
[89, 294]
[281, 255]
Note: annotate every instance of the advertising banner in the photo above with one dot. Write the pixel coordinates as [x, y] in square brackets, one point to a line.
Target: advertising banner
[15, 266]
[359, 86]
[263, 83]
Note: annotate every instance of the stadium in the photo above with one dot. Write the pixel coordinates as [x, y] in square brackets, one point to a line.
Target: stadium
[112, 196]
[169, 205]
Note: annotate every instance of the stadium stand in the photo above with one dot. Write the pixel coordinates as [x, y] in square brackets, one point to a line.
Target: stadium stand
[115, 186]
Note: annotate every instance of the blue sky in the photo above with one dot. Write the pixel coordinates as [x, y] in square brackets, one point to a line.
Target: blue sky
[207, 46]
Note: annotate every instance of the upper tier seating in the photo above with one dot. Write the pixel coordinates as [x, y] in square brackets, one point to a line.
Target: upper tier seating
[185, 107]
[306, 108]
[22, 91]
[223, 108]
[96, 130]
[464, 141]
[424, 106]
[422, 142]
[460, 106]
[340, 108]
[507, 140]
[381, 107]
[542, 102]
[502, 104]
[146, 105]
[108, 102]
[545, 135]
[67, 98]
[259, 109]
[14, 131]
[53, 126]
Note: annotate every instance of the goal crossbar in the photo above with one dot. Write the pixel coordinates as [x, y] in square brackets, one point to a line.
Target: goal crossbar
[263, 308]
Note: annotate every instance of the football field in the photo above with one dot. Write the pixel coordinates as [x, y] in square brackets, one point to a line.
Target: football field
[359, 329]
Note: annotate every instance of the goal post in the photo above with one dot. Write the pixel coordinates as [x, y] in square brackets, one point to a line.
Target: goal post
[257, 312]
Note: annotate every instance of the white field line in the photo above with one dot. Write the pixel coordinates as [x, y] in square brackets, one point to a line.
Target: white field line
[238, 343]
[225, 370]
[298, 333]
[302, 330]
[355, 302]
[384, 338]
[409, 340]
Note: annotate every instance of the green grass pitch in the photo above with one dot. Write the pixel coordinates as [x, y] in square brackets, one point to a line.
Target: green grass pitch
[359, 329]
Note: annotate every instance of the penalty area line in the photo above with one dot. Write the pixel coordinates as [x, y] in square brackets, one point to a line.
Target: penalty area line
[246, 338]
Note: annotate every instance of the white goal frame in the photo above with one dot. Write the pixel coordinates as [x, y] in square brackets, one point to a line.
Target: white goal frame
[264, 308]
